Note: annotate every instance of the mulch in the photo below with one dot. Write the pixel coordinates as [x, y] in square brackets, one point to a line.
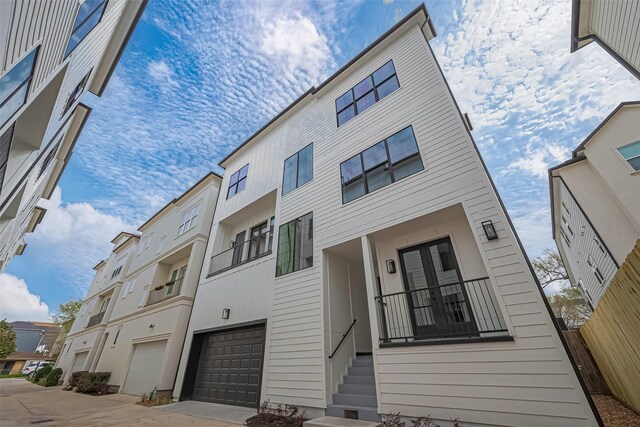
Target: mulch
[271, 420]
[614, 413]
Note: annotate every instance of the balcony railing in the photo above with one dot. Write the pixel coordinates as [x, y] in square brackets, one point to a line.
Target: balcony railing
[95, 319]
[164, 292]
[459, 310]
[254, 248]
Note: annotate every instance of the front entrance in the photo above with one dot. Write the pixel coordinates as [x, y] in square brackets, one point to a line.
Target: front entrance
[229, 368]
[436, 297]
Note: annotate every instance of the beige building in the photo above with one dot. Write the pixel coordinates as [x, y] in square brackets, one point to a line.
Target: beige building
[133, 320]
[612, 24]
[52, 53]
[595, 199]
[361, 262]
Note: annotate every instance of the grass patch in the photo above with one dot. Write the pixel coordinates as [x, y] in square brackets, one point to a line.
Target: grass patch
[12, 376]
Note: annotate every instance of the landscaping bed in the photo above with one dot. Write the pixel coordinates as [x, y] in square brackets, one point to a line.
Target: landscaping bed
[614, 413]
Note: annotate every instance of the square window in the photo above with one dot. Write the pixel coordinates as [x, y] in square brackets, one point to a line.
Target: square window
[345, 115]
[388, 87]
[344, 101]
[631, 153]
[366, 101]
[363, 87]
[383, 73]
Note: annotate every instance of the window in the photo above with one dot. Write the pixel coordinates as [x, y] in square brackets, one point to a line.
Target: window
[295, 245]
[566, 239]
[366, 93]
[115, 339]
[595, 269]
[144, 296]
[237, 181]
[119, 263]
[14, 87]
[127, 288]
[631, 154]
[388, 161]
[566, 224]
[161, 244]
[76, 93]
[188, 220]
[88, 17]
[47, 160]
[298, 169]
[5, 148]
[599, 244]
[566, 209]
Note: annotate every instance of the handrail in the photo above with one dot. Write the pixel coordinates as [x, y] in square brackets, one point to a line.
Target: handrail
[249, 250]
[343, 337]
[379, 297]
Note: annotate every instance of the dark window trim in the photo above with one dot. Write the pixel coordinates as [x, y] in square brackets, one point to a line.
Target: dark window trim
[238, 179]
[75, 27]
[293, 250]
[26, 82]
[297, 154]
[71, 99]
[49, 158]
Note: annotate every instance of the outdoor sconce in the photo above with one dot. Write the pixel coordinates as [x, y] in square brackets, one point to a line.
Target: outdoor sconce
[152, 326]
[391, 266]
[489, 230]
[225, 313]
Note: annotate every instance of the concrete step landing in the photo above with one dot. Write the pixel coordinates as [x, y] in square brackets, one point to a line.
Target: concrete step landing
[339, 422]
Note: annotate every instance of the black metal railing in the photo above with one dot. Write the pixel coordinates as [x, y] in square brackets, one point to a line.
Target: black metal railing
[254, 248]
[95, 319]
[465, 309]
[165, 291]
[343, 337]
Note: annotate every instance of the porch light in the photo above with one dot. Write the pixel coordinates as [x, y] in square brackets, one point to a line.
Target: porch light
[489, 230]
[225, 313]
[391, 266]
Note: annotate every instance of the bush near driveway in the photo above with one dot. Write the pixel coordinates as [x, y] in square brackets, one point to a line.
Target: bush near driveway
[88, 382]
[41, 373]
[53, 378]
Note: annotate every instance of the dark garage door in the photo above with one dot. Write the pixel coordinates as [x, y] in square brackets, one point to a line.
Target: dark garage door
[230, 367]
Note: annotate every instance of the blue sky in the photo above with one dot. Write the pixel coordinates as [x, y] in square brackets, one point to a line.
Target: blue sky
[199, 77]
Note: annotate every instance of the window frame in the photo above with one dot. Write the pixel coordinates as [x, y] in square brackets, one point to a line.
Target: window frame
[389, 165]
[76, 93]
[374, 89]
[48, 159]
[27, 82]
[295, 245]
[626, 160]
[76, 25]
[237, 181]
[189, 216]
[297, 156]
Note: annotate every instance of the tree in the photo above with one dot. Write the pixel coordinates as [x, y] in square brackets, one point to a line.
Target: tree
[570, 305]
[550, 269]
[7, 339]
[67, 313]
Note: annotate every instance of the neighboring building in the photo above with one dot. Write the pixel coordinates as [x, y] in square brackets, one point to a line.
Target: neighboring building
[595, 199]
[36, 336]
[15, 362]
[52, 53]
[133, 320]
[613, 25]
[361, 262]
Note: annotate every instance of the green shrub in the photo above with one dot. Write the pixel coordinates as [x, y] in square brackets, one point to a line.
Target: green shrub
[42, 372]
[53, 378]
[91, 382]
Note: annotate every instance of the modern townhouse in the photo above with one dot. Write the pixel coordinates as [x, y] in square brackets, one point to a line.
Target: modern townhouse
[361, 262]
[595, 199]
[134, 318]
[611, 24]
[52, 53]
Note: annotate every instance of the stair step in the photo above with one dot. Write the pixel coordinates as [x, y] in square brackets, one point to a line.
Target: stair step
[355, 399]
[362, 362]
[364, 413]
[359, 379]
[360, 370]
[339, 422]
[369, 389]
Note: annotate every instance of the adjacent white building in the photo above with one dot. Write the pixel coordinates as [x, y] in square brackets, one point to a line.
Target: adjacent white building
[52, 53]
[361, 262]
[612, 24]
[595, 199]
[133, 320]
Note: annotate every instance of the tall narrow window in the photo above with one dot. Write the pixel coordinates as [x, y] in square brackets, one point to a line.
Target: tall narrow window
[47, 160]
[5, 148]
[238, 181]
[88, 17]
[295, 245]
[298, 169]
[14, 87]
[387, 161]
[188, 219]
[366, 93]
[631, 154]
[76, 93]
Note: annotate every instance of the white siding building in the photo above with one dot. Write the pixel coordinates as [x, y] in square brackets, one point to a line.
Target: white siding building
[364, 211]
[612, 24]
[595, 199]
[51, 54]
[134, 317]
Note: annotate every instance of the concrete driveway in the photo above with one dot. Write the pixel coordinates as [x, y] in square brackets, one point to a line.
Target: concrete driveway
[22, 403]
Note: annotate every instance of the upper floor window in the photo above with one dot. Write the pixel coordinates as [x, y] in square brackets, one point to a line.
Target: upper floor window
[295, 245]
[366, 93]
[89, 16]
[188, 219]
[14, 87]
[5, 148]
[47, 160]
[237, 181]
[298, 169]
[76, 93]
[388, 161]
[631, 154]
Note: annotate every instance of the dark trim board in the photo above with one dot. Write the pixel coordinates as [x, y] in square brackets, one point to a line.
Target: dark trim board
[501, 338]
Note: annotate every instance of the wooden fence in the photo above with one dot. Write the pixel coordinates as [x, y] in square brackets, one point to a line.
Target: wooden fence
[588, 368]
[613, 332]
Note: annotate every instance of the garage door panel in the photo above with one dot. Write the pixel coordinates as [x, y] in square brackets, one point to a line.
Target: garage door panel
[144, 369]
[79, 362]
[230, 367]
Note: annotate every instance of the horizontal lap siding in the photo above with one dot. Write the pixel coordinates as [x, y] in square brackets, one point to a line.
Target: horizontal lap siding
[617, 23]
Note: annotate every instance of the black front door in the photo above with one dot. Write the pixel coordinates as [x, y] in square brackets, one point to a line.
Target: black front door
[436, 297]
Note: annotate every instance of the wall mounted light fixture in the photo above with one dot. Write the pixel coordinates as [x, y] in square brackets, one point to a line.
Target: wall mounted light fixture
[391, 266]
[225, 313]
[489, 230]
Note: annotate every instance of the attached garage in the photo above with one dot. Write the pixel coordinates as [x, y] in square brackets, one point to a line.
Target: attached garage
[229, 366]
[144, 370]
[79, 362]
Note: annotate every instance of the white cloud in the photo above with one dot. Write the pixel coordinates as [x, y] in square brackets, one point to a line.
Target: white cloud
[17, 303]
[162, 74]
[538, 161]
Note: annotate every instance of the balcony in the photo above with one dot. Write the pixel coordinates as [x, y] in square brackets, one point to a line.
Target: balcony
[242, 253]
[95, 319]
[164, 292]
[464, 311]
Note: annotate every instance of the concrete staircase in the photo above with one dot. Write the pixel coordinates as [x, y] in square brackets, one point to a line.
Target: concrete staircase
[356, 397]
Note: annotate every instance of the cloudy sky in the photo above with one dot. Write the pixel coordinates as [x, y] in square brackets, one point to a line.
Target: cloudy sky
[199, 77]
